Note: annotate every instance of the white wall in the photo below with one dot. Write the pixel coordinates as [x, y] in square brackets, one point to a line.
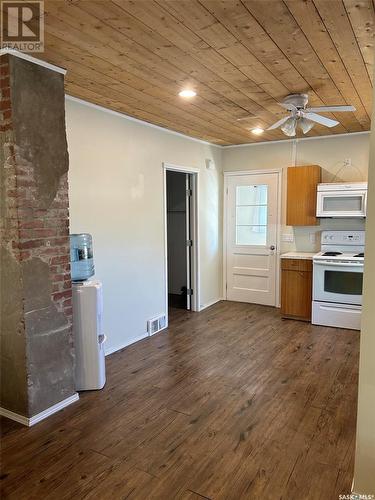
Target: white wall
[116, 194]
[329, 153]
[364, 473]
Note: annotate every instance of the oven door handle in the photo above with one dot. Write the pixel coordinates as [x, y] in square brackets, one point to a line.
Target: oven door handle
[337, 264]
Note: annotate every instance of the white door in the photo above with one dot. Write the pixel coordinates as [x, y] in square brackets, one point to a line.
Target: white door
[251, 237]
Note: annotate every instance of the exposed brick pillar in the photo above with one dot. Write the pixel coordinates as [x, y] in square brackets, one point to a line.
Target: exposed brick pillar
[37, 357]
[12, 328]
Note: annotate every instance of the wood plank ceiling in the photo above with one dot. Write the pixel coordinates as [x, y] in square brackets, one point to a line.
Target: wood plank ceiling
[241, 57]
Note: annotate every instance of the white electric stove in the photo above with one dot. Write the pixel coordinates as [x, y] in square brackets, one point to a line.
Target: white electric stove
[338, 279]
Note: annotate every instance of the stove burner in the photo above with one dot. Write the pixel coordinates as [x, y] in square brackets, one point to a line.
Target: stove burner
[359, 255]
[332, 254]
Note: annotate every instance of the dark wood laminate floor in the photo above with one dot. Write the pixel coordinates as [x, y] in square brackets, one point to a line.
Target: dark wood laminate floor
[231, 403]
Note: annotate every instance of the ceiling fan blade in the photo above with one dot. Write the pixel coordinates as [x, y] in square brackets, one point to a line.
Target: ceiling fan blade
[333, 109]
[327, 122]
[278, 123]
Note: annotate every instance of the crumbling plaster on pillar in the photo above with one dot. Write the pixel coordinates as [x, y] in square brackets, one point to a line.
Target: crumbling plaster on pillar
[44, 143]
[49, 344]
[13, 341]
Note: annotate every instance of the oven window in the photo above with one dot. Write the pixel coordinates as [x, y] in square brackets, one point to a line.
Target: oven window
[346, 283]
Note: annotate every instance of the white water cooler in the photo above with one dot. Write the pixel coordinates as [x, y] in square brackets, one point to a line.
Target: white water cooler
[88, 335]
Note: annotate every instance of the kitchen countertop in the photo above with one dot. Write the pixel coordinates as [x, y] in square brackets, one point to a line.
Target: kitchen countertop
[298, 255]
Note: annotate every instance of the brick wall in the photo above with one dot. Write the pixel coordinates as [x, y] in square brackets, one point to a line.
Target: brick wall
[42, 232]
[5, 106]
[9, 213]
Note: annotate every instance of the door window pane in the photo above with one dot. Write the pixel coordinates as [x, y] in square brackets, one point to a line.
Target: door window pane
[347, 283]
[255, 215]
[251, 195]
[251, 215]
[251, 235]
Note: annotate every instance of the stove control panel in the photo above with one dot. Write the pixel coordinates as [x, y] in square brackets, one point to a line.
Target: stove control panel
[343, 238]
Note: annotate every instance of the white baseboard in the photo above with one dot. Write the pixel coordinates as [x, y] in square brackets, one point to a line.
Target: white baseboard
[111, 350]
[211, 303]
[29, 421]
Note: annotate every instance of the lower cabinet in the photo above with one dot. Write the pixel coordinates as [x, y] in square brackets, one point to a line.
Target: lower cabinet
[296, 288]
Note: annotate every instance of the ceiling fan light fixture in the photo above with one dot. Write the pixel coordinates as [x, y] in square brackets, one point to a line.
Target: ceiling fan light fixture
[305, 125]
[257, 130]
[289, 127]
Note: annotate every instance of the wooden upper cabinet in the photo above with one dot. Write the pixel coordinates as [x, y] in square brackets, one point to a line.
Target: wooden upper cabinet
[301, 195]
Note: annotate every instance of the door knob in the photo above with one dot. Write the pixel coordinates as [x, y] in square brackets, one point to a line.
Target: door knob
[272, 247]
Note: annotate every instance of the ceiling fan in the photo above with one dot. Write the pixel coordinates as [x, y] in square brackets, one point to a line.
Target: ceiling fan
[305, 118]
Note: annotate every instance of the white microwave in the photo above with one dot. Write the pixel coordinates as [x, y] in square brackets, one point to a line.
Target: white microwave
[341, 200]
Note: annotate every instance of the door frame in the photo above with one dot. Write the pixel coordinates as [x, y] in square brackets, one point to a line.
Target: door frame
[194, 216]
[232, 173]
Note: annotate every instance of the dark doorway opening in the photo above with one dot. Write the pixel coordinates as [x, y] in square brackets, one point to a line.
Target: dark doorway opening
[179, 242]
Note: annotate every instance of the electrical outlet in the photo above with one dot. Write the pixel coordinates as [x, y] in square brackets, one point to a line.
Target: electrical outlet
[312, 237]
[347, 162]
[287, 238]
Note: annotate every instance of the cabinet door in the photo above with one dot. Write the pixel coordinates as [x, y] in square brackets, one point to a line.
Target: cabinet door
[301, 196]
[296, 294]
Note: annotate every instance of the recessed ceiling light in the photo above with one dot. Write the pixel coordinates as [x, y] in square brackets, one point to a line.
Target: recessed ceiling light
[187, 93]
[257, 130]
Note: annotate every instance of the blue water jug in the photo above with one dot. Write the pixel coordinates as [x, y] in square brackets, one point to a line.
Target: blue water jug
[81, 257]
